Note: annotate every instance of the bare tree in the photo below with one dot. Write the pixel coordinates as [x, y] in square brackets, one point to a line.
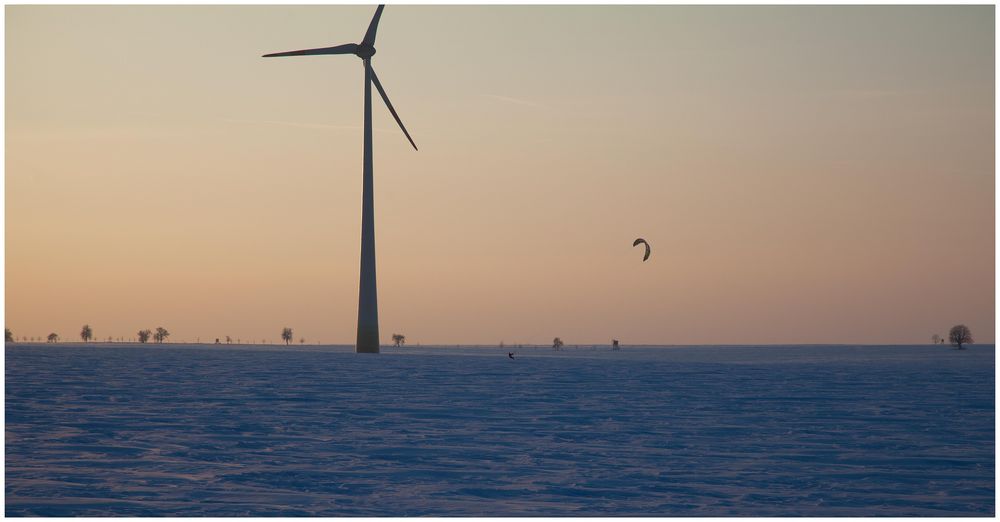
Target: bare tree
[144, 335]
[161, 334]
[8, 337]
[86, 333]
[960, 335]
[398, 339]
[557, 344]
[286, 335]
[302, 340]
[53, 337]
[229, 340]
[935, 339]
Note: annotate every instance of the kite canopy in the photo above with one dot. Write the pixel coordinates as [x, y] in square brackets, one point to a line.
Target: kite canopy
[643, 241]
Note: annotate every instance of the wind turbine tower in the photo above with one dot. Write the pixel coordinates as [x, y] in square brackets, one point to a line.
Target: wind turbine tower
[368, 340]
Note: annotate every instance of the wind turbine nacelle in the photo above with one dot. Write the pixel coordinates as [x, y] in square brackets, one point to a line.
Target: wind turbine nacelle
[365, 51]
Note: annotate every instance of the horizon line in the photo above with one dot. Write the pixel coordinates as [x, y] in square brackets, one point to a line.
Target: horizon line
[470, 345]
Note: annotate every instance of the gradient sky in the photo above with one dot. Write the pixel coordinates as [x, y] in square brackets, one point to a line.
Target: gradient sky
[803, 174]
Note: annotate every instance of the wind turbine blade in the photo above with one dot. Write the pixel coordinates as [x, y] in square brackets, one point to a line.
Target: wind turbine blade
[372, 27]
[378, 85]
[338, 49]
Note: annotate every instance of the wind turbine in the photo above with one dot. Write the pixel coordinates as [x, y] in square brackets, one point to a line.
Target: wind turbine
[368, 340]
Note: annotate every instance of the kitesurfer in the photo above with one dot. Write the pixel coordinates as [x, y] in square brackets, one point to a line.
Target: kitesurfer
[643, 241]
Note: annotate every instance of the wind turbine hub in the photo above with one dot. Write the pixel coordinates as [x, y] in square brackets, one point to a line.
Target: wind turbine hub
[365, 51]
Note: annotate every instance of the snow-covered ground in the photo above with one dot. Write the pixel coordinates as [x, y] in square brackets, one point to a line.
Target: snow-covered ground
[177, 430]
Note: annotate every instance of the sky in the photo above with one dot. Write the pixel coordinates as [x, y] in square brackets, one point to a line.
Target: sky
[803, 174]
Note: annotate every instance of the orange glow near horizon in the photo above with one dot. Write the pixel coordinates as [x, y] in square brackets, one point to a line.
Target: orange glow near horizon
[803, 174]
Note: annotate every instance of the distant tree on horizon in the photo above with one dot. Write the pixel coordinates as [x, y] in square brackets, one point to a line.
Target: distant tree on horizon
[398, 339]
[8, 337]
[53, 337]
[935, 339]
[286, 335]
[161, 334]
[86, 333]
[144, 335]
[229, 339]
[959, 335]
[302, 340]
[557, 344]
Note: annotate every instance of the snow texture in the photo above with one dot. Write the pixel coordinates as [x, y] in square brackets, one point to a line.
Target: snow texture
[181, 430]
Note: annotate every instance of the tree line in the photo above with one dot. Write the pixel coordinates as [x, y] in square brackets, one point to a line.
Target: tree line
[958, 336]
[160, 335]
[87, 335]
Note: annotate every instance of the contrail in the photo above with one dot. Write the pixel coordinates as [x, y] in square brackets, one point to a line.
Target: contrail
[320, 126]
[517, 101]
